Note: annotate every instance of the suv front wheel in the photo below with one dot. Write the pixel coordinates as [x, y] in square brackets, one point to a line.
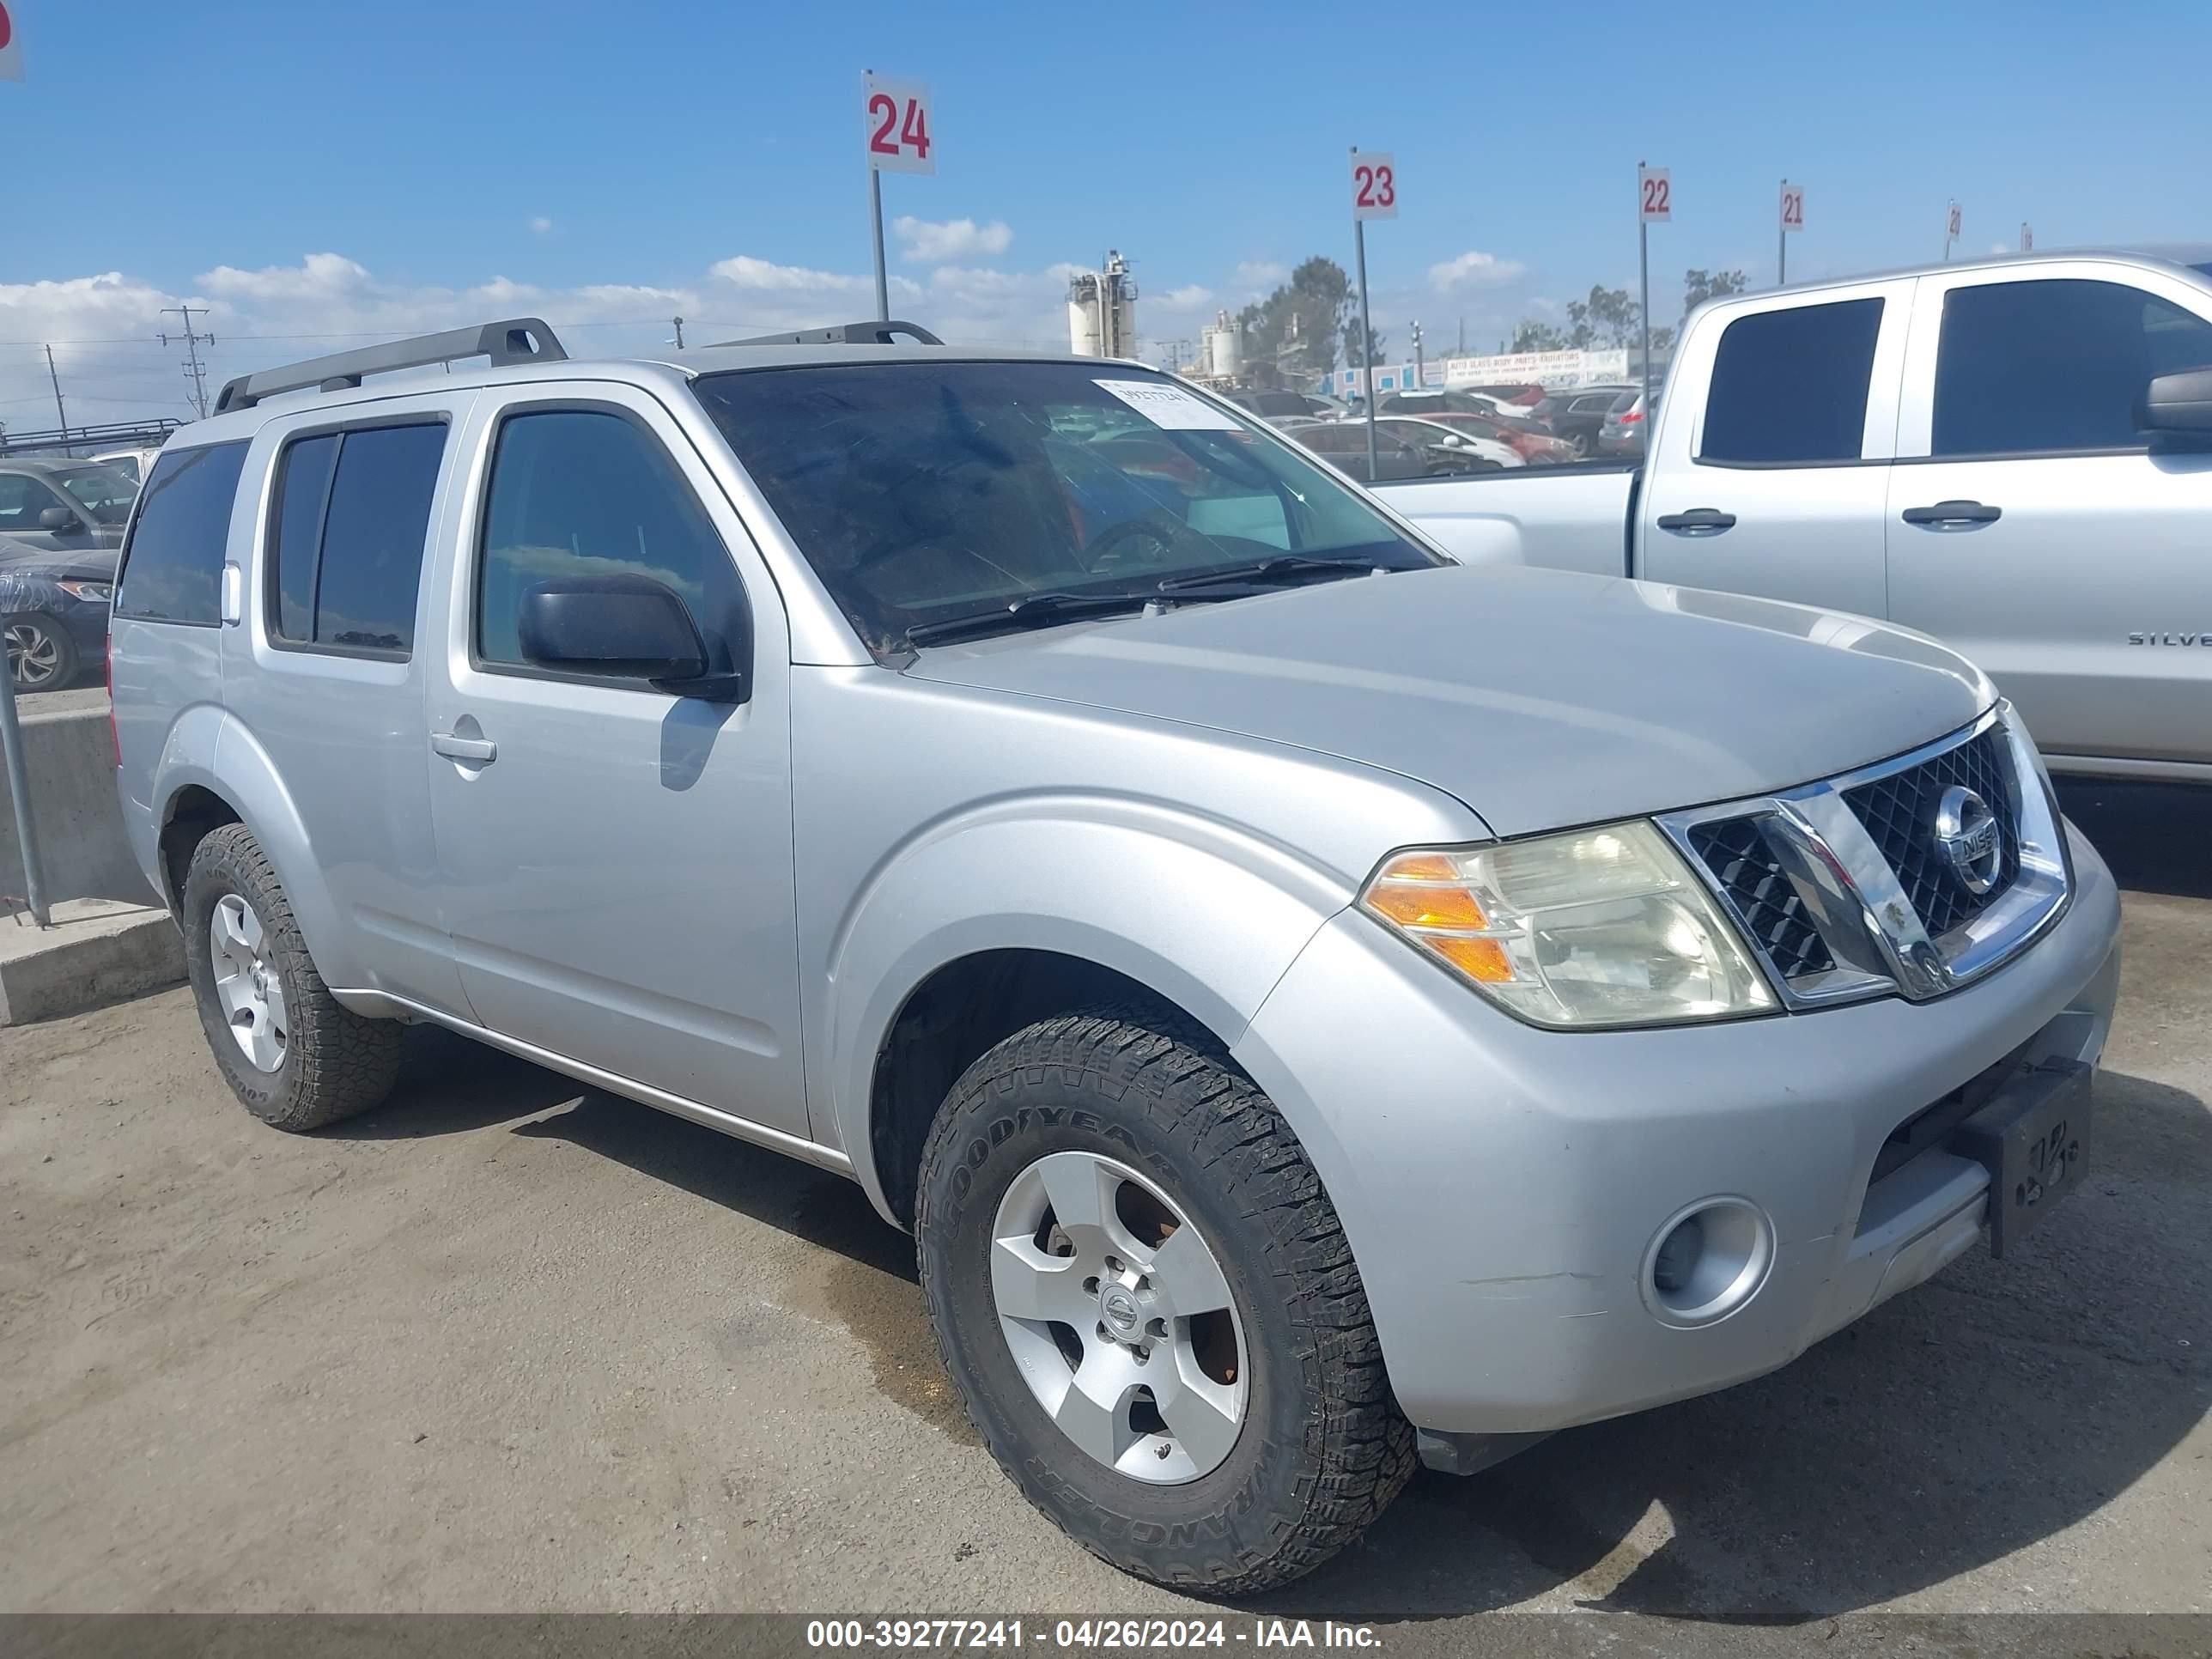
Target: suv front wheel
[1149, 1306]
[293, 1056]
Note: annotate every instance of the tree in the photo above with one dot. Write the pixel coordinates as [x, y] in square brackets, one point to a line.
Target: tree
[1376, 352]
[1699, 286]
[1529, 335]
[1298, 329]
[1607, 317]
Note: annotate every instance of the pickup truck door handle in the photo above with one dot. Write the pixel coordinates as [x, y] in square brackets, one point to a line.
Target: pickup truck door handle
[1698, 521]
[477, 751]
[1949, 513]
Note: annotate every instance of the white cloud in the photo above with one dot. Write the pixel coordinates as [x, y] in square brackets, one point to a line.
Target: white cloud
[541, 225]
[1189, 297]
[1473, 269]
[956, 239]
[1260, 273]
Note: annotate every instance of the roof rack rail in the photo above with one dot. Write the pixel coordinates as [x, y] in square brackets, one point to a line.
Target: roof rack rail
[517, 340]
[886, 332]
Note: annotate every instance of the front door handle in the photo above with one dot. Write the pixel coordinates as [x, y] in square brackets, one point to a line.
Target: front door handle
[1949, 513]
[1698, 521]
[477, 751]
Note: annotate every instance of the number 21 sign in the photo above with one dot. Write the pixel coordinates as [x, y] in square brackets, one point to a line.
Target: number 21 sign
[1374, 185]
[898, 126]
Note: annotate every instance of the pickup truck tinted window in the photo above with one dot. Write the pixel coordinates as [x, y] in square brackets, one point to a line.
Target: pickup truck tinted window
[584, 493]
[2036, 366]
[353, 515]
[172, 562]
[921, 491]
[1790, 385]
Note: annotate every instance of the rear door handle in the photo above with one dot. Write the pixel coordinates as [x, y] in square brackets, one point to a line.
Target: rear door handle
[479, 752]
[1945, 513]
[1698, 521]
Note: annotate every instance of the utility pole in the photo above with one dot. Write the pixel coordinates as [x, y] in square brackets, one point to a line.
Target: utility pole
[679, 321]
[195, 371]
[1417, 359]
[58, 410]
[1463, 338]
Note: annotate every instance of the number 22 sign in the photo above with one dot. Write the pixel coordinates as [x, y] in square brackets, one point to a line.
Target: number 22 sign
[1374, 185]
[898, 126]
[1654, 195]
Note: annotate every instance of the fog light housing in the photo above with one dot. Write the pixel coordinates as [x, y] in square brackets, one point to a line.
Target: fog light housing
[1708, 1260]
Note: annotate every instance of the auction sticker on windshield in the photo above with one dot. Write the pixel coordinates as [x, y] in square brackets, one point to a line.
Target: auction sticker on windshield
[1171, 407]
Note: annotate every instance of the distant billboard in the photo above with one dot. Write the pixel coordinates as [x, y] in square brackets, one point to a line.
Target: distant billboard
[1548, 368]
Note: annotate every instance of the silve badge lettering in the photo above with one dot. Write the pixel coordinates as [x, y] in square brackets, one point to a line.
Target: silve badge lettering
[2160, 636]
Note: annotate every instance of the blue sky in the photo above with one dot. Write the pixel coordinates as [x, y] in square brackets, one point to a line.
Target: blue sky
[601, 162]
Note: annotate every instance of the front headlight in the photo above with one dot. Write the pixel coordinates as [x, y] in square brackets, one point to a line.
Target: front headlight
[95, 591]
[1595, 927]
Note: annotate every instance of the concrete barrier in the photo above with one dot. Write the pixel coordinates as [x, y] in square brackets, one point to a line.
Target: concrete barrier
[71, 756]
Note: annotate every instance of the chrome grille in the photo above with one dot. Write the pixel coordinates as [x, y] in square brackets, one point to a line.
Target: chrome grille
[1899, 811]
[1735, 851]
[1845, 889]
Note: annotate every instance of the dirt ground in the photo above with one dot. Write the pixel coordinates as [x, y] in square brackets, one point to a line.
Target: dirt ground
[507, 1344]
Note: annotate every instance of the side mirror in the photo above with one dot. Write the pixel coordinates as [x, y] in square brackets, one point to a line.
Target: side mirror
[2178, 403]
[61, 519]
[625, 626]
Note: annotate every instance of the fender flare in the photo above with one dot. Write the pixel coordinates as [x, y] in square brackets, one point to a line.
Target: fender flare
[1079, 877]
[228, 763]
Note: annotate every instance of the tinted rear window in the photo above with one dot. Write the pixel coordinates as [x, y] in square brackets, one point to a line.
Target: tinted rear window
[173, 563]
[349, 536]
[1790, 387]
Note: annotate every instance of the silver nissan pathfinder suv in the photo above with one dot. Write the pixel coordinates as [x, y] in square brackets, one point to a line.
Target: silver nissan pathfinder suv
[1314, 1005]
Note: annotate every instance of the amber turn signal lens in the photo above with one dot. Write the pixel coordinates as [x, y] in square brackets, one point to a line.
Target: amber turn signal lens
[1420, 866]
[1410, 906]
[1482, 959]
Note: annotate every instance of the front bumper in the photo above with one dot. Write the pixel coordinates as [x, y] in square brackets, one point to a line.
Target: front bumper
[1502, 1187]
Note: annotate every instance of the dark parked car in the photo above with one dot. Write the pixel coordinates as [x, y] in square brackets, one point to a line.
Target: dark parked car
[63, 506]
[1280, 405]
[1343, 445]
[53, 612]
[1577, 415]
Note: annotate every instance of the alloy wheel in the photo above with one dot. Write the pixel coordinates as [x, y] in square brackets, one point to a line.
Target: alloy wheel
[247, 984]
[34, 655]
[1119, 1318]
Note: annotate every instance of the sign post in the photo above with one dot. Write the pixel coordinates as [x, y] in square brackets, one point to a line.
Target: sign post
[1373, 195]
[896, 127]
[1951, 222]
[1655, 204]
[2026, 238]
[1793, 218]
[11, 732]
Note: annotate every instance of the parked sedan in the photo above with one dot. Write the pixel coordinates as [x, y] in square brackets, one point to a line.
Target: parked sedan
[1446, 444]
[63, 506]
[1343, 445]
[1622, 433]
[53, 612]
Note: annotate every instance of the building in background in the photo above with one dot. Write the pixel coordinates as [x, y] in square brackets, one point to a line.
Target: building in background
[1546, 368]
[1102, 311]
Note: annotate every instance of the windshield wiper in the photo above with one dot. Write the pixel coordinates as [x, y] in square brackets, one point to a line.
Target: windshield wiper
[1265, 572]
[1031, 611]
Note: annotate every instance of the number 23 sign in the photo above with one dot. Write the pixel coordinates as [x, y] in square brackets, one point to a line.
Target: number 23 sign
[1374, 185]
[898, 126]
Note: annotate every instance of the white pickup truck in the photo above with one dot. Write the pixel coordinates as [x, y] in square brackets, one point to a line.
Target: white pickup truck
[2013, 455]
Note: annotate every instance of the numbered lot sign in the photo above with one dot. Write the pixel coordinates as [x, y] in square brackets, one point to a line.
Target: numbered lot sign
[11, 50]
[1951, 225]
[1793, 207]
[1374, 185]
[899, 133]
[1654, 195]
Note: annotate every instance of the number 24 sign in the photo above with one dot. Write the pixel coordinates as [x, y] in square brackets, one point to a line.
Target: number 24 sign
[1374, 185]
[898, 136]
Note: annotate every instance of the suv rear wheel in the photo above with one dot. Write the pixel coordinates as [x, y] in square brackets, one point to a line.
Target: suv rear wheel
[293, 1056]
[1149, 1306]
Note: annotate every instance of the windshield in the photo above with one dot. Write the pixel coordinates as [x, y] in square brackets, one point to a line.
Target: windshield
[101, 491]
[924, 491]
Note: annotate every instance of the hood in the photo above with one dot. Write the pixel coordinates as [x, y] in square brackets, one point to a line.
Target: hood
[38, 556]
[1540, 698]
